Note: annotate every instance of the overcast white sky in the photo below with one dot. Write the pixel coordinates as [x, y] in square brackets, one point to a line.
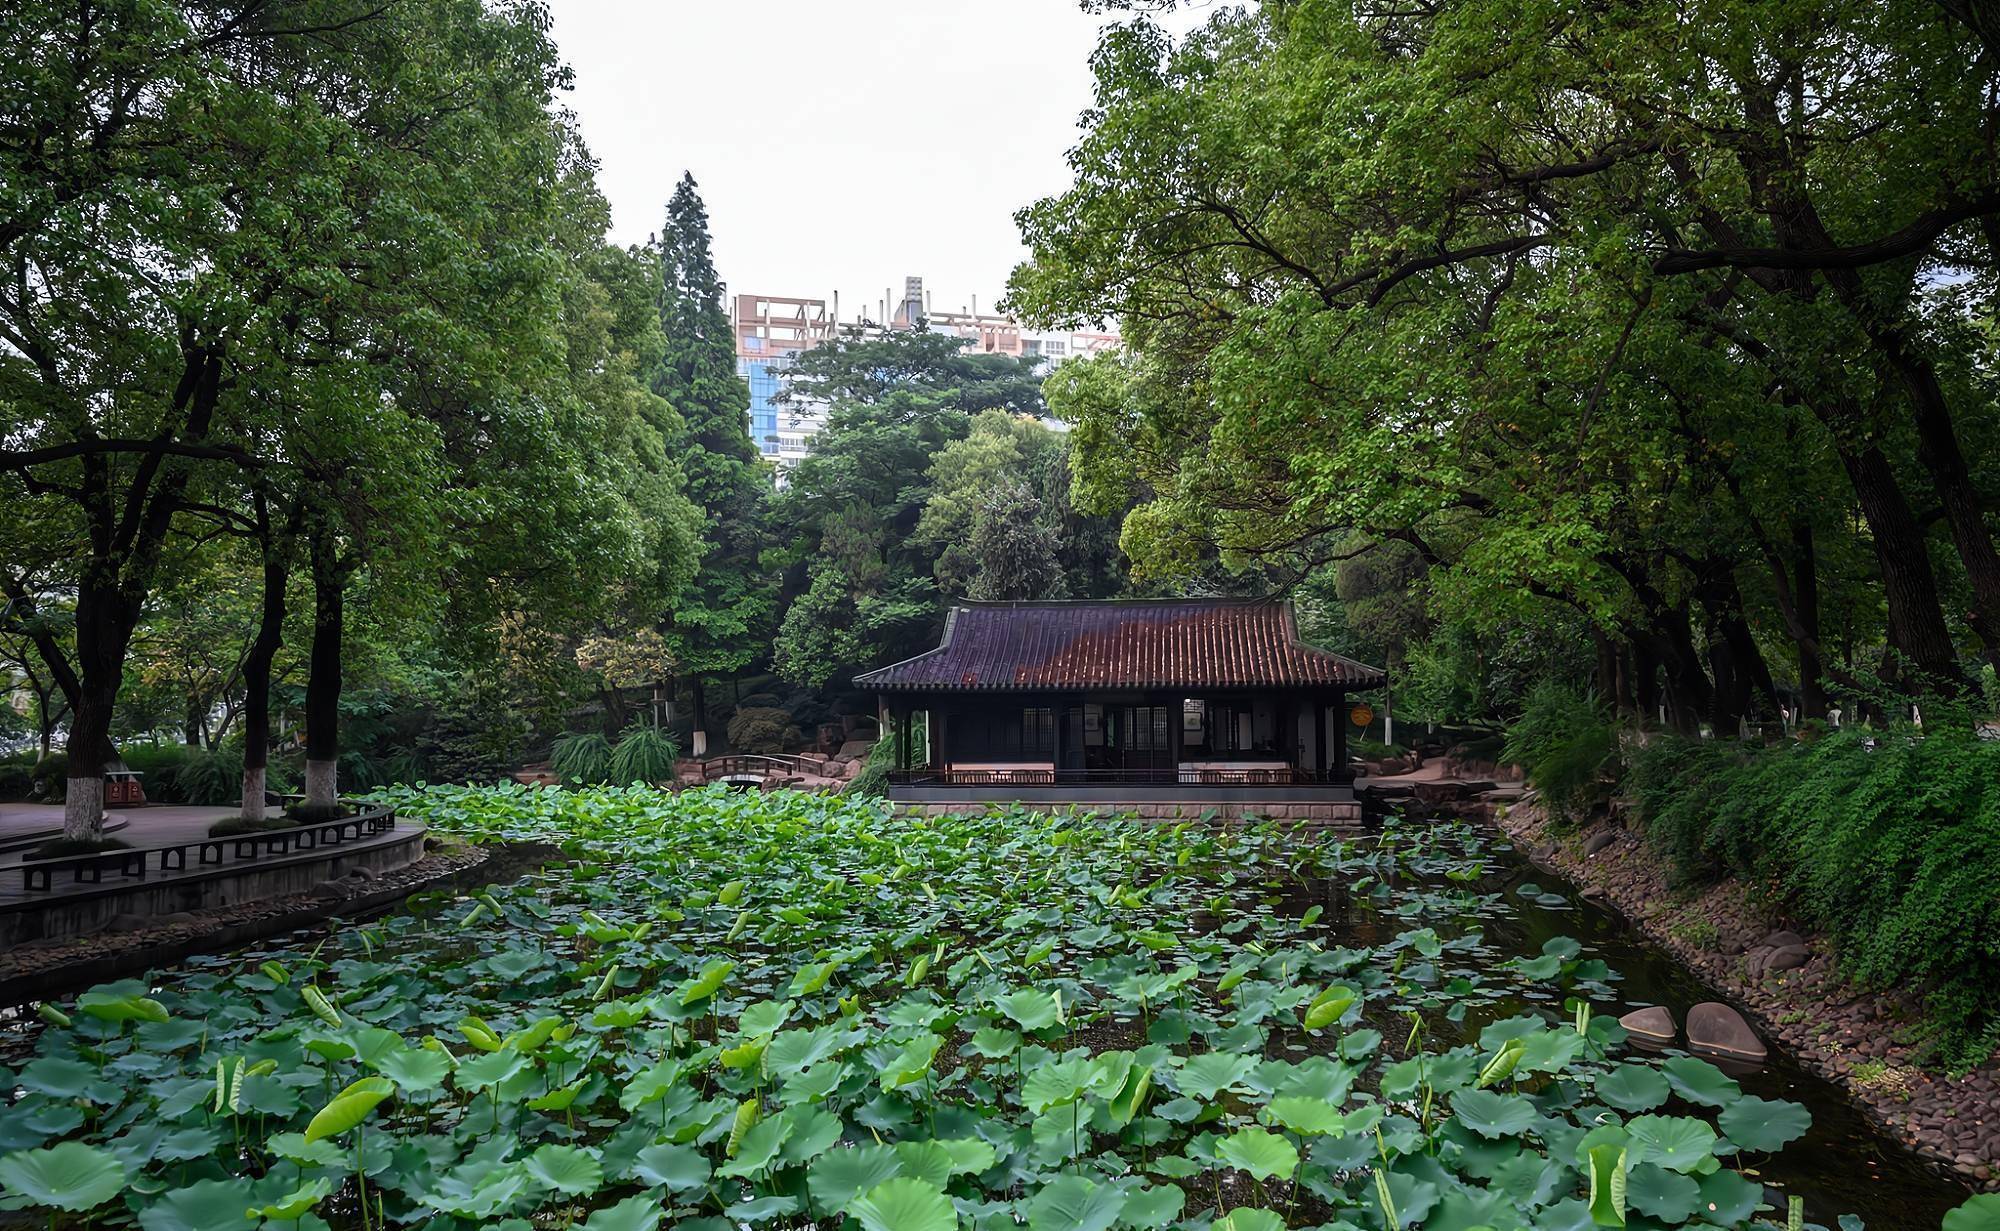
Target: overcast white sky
[840, 144]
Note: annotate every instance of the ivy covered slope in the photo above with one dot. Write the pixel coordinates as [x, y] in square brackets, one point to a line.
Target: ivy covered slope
[738, 1010]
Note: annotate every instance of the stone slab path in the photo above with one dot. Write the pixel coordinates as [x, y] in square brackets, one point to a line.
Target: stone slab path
[21, 825]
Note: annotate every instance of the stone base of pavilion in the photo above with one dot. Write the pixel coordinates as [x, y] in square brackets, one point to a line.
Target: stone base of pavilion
[1332, 806]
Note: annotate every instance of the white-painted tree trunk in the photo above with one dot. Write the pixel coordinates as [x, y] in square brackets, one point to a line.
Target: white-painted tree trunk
[83, 809]
[322, 780]
[253, 794]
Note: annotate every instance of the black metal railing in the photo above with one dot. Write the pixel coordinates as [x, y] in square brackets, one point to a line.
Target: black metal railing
[1262, 776]
[130, 862]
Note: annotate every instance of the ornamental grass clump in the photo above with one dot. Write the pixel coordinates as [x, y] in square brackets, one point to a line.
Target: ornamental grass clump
[645, 754]
[581, 758]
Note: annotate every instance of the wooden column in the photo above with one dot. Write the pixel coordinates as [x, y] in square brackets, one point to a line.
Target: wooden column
[1176, 734]
[1318, 764]
[1340, 737]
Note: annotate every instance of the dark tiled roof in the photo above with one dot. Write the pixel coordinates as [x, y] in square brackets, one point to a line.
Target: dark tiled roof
[1163, 643]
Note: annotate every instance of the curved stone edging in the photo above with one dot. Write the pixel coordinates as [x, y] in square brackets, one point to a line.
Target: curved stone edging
[1833, 1031]
[47, 970]
[67, 912]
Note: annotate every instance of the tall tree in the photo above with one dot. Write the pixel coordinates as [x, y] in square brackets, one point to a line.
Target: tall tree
[721, 621]
[1641, 311]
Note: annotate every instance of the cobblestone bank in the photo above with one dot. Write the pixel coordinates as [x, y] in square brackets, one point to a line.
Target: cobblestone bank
[1787, 981]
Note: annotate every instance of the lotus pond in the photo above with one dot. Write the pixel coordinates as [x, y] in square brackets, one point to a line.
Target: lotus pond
[729, 1010]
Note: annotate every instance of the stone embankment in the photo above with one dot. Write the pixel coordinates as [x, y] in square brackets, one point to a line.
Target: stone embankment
[1786, 980]
[133, 943]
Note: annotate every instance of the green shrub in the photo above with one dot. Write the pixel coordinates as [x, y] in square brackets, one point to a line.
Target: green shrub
[582, 757]
[645, 753]
[360, 770]
[1566, 742]
[157, 765]
[16, 781]
[1888, 842]
[405, 766]
[762, 729]
[211, 776]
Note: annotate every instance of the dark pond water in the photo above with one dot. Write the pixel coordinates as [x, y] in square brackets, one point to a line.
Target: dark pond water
[1844, 1164]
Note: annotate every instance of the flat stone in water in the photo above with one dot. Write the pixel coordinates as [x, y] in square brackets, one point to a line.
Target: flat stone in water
[1721, 1030]
[1653, 1025]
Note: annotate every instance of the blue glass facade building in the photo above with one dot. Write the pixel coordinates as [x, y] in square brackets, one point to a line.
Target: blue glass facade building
[762, 377]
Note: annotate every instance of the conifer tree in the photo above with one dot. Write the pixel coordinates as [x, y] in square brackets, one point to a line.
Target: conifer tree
[721, 619]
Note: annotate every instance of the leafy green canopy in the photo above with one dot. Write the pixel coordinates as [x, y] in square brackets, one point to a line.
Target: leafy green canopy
[1625, 309]
[725, 1009]
[885, 515]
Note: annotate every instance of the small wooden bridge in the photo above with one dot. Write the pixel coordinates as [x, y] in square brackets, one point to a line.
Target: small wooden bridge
[756, 770]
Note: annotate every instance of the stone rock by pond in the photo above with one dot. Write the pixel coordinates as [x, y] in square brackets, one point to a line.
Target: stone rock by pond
[1720, 1030]
[1651, 1025]
[1765, 960]
[1598, 841]
[1444, 792]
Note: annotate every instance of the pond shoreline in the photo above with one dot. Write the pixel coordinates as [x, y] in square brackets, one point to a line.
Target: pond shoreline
[1845, 1035]
[42, 971]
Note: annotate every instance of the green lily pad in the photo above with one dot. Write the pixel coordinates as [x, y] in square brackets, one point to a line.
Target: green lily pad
[1698, 1081]
[1666, 1195]
[1264, 1155]
[1493, 1115]
[904, 1205]
[1073, 1203]
[68, 1176]
[566, 1169]
[1633, 1087]
[1680, 1143]
[1764, 1124]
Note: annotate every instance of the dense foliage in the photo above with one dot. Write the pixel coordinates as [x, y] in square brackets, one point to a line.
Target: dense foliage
[1656, 331]
[933, 479]
[322, 317]
[1887, 841]
[727, 1009]
[1567, 745]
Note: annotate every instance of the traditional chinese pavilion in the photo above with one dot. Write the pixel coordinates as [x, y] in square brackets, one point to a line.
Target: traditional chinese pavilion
[1165, 706]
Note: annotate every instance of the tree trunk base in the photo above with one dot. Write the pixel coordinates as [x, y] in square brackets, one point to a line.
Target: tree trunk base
[83, 809]
[322, 781]
[253, 794]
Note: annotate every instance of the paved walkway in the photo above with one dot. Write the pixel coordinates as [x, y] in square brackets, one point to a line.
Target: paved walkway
[153, 825]
[159, 825]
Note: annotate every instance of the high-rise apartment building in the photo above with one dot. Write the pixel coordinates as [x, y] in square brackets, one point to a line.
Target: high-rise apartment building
[771, 330]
